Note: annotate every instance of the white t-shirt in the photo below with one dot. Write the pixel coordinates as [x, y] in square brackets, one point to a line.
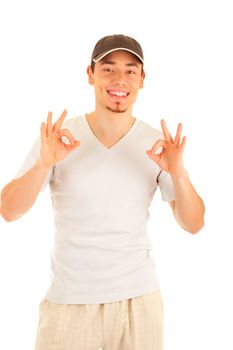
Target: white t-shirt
[101, 198]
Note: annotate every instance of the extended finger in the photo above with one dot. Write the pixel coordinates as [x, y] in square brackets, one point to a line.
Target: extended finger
[49, 126]
[67, 133]
[42, 132]
[178, 134]
[183, 143]
[60, 120]
[166, 132]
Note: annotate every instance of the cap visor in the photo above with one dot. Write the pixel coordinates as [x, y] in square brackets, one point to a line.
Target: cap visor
[103, 54]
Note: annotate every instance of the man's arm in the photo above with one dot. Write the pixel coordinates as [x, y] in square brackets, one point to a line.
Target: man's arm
[188, 208]
[19, 195]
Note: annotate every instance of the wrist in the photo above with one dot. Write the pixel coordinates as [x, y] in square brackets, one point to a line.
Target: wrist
[42, 166]
[180, 175]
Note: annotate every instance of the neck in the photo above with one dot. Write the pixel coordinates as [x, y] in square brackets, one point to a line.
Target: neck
[110, 124]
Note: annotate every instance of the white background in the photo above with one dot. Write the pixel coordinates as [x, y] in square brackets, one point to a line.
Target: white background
[45, 49]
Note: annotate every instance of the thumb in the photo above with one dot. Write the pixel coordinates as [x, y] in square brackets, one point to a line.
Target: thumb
[71, 148]
[155, 157]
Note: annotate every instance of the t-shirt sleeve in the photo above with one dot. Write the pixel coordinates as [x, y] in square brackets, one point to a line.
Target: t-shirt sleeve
[166, 186]
[31, 158]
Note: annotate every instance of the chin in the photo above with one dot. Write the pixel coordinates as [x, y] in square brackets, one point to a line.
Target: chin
[116, 110]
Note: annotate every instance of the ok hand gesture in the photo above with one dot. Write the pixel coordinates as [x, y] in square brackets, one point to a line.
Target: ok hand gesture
[170, 158]
[53, 149]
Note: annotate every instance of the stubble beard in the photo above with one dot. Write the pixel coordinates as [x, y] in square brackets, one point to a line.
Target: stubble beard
[117, 109]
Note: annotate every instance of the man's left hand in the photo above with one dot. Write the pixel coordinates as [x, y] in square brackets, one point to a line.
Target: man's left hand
[170, 158]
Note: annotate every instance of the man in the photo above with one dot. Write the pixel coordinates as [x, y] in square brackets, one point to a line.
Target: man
[103, 169]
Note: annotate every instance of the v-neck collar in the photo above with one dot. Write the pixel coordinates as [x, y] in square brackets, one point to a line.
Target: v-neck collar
[99, 144]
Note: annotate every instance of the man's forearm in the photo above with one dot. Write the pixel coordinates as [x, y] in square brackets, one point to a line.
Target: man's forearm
[189, 207]
[19, 195]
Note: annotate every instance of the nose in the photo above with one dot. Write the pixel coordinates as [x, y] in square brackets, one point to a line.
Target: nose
[119, 77]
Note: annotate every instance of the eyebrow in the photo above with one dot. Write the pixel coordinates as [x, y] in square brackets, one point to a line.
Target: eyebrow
[130, 64]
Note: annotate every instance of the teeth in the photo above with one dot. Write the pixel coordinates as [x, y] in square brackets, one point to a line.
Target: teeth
[118, 93]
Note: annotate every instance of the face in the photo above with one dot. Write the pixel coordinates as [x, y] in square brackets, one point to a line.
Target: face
[117, 79]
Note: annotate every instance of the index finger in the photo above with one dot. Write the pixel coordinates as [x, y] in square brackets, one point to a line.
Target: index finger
[166, 132]
[60, 120]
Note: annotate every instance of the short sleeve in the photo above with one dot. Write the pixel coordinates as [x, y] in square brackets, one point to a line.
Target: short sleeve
[31, 158]
[166, 186]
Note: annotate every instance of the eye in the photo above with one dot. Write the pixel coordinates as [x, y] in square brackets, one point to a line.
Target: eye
[108, 70]
[131, 72]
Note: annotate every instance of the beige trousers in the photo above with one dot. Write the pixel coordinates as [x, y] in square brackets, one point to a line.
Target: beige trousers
[132, 324]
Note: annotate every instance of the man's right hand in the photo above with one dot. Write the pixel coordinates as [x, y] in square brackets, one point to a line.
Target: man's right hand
[53, 149]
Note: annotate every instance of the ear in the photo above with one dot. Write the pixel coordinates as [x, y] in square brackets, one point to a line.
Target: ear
[142, 79]
[90, 75]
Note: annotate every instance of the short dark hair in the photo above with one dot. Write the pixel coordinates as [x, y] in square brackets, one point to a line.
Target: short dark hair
[92, 66]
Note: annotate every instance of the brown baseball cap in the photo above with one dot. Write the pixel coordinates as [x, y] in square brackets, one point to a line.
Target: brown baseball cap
[116, 42]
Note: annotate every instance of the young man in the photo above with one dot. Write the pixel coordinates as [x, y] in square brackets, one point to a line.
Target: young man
[103, 169]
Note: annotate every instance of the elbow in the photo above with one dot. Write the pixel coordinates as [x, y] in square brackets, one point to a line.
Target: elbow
[6, 211]
[196, 228]
[8, 217]
[199, 223]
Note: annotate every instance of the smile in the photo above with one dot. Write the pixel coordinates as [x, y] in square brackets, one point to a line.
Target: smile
[118, 93]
